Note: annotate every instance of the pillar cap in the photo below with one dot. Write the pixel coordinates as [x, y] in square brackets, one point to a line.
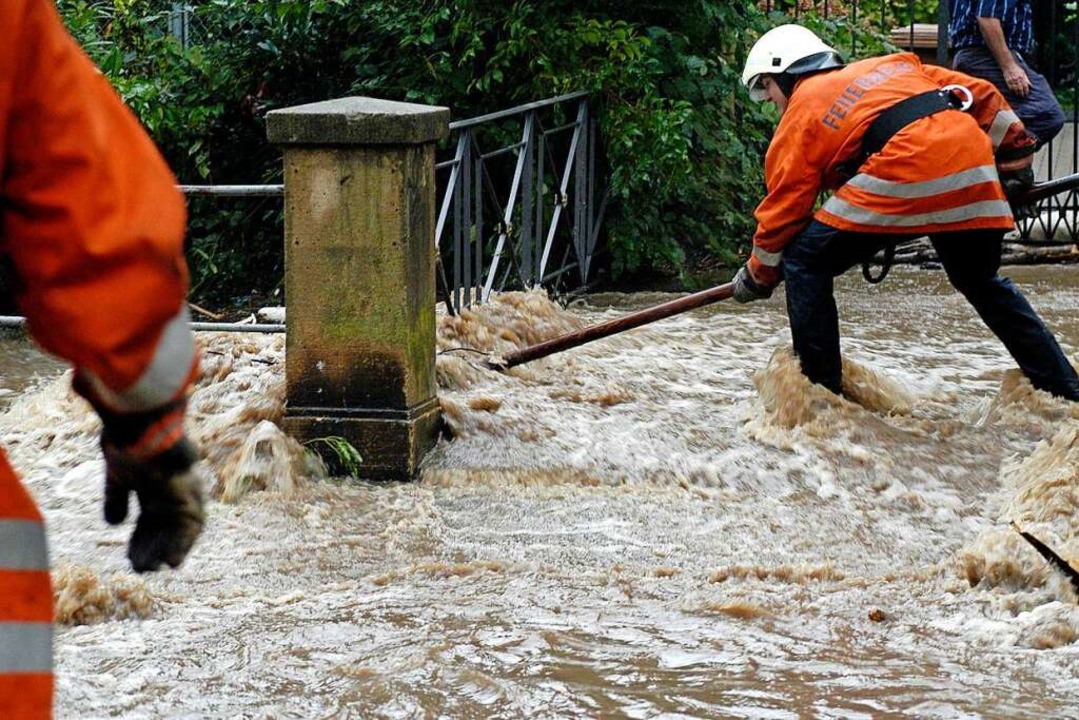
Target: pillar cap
[357, 121]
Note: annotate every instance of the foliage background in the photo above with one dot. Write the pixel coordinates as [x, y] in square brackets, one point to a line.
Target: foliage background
[683, 144]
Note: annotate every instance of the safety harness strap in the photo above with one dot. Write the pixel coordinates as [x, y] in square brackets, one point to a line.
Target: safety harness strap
[885, 266]
[903, 113]
[881, 130]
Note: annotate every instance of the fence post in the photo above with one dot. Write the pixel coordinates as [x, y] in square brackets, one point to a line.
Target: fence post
[943, 19]
[180, 24]
[360, 276]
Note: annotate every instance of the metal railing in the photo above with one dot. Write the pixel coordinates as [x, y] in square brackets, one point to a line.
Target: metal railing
[542, 224]
[223, 191]
[1057, 218]
[545, 227]
[19, 322]
[233, 190]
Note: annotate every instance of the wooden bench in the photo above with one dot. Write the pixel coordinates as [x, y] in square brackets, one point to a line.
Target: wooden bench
[920, 38]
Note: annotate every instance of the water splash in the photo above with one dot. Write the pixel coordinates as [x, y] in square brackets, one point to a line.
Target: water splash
[269, 460]
[83, 597]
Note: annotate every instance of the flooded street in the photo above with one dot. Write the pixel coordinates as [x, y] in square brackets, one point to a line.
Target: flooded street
[666, 523]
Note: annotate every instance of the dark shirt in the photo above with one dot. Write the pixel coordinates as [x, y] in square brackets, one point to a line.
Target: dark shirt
[1016, 18]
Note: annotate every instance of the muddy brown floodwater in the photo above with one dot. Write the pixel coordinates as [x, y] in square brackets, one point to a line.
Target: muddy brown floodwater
[666, 523]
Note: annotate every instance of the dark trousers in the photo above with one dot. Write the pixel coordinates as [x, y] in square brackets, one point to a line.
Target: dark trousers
[1040, 110]
[971, 259]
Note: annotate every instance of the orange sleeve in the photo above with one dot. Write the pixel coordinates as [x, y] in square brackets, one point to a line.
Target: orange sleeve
[92, 220]
[793, 181]
[991, 110]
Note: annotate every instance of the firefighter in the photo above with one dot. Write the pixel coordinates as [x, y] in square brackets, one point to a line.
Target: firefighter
[909, 150]
[92, 225]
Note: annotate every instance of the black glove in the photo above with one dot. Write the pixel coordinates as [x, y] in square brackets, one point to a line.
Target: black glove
[1015, 182]
[147, 453]
[746, 289]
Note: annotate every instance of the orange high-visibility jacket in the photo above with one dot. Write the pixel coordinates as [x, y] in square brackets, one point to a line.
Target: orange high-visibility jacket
[93, 224]
[937, 174]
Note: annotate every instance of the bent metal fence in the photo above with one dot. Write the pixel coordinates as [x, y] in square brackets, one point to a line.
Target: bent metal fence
[522, 212]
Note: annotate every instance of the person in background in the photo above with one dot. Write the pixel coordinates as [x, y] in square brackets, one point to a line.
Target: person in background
[92, 226]
[991, 40]
[909, 150]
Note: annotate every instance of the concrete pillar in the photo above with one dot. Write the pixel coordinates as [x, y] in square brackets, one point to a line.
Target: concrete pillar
[359, 276]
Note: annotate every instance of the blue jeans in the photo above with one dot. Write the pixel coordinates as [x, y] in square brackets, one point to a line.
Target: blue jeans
[972, 261]
[1040, 110]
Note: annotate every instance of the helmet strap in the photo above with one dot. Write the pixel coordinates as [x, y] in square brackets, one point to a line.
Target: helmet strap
[786, 82]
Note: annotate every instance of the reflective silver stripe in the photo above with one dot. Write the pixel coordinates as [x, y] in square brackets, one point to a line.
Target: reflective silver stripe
[768, 259]
[861, 216]
[22, 545]
[927, 188]
[1004, 120]
[164, 378]
[25, 648]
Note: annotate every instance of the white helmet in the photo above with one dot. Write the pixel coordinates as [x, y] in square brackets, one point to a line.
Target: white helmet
[786, 49]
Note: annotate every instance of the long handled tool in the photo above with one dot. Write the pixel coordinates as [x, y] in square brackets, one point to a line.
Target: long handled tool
[1039, 191]
[617, 325]
[1055, 560]
[1036, 193]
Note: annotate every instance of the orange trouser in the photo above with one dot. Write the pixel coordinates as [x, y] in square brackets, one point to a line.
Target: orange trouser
[25, 604]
